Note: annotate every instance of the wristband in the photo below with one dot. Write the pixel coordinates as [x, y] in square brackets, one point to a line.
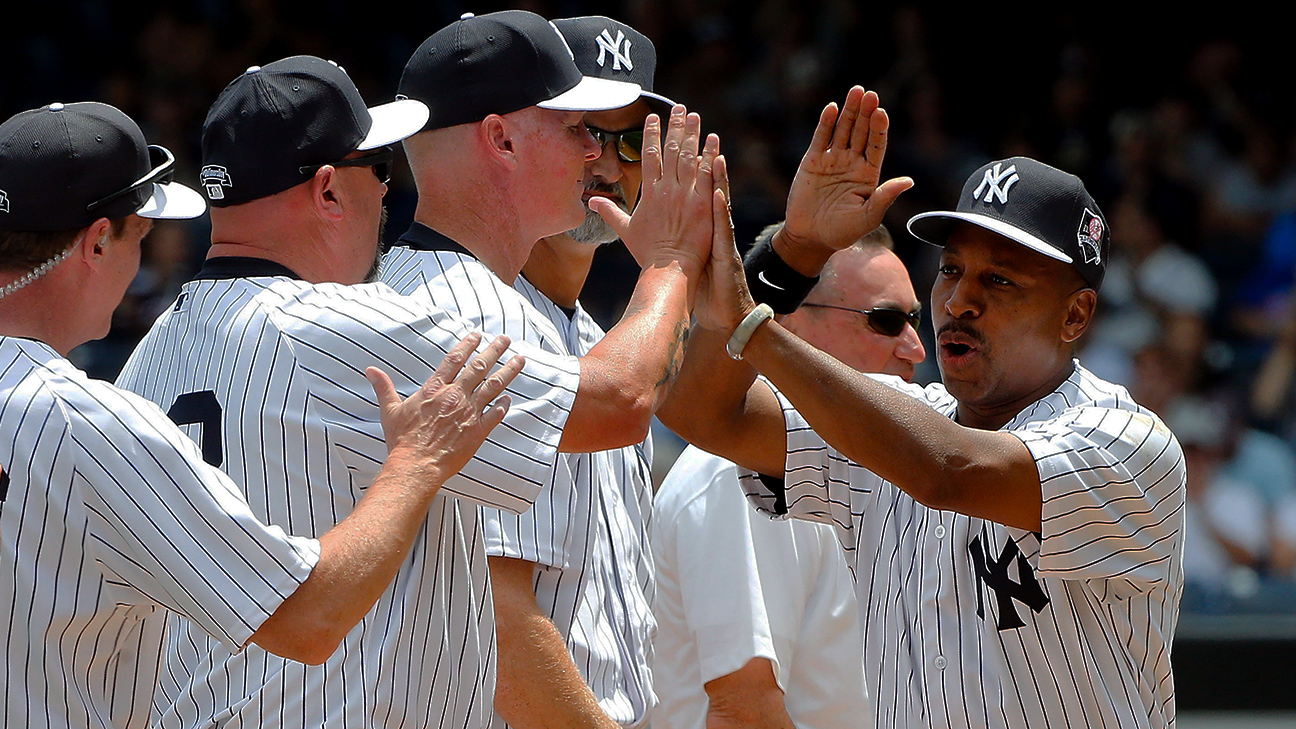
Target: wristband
[772, 281]
[746, 328]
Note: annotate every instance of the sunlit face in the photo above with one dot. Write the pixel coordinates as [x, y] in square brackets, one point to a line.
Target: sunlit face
[608, 175]
[555, 149]
[861, 280]
[999, 310]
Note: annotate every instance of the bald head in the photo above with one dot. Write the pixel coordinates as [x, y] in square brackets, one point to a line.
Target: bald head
[863, 277]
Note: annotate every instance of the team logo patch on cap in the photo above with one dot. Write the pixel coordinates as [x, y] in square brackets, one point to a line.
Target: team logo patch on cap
[999, 181]
[607, 44]
[214, 179]
[1090, 236]
[4, 201]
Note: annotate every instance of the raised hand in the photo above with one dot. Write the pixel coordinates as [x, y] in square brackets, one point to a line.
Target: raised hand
[672, 221]
[723, 298]
[836, 197]
[446, 420]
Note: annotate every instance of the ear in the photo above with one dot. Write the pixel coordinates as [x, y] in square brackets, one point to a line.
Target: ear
[1080, 310]
[326, 195]
[499, 137]
[94, 242]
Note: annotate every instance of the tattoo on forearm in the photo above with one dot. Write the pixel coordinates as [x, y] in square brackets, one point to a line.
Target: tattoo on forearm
[675, 356]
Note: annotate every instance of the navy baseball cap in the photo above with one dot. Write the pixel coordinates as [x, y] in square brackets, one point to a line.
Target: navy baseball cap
[499, 63]
[274, 122]
[1038, 206]
[609, 49]
[64, 166]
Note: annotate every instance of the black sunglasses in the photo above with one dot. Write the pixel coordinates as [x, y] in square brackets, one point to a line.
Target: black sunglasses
[380, 160]
[884, 321]
[163, 163]
[629, 144]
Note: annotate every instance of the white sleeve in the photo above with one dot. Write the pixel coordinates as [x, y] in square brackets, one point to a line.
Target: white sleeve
[1113, 496]
[178, 532]
[719, 580]
[407, 340]
[542, 534]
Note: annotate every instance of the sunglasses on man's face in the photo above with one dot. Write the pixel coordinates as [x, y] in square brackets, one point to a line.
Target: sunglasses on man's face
[629, 144]
[885, 321]
[380, 160]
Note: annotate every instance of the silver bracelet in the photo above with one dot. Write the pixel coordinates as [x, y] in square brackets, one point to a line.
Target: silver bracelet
[746, 328]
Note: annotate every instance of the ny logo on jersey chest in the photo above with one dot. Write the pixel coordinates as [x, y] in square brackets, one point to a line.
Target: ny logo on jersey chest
[992, 573]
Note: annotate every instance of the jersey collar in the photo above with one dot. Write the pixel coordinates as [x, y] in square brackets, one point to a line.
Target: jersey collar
[422, 238]
[227, 267]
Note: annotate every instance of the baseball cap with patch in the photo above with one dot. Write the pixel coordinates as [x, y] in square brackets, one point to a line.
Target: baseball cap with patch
[273, 123]
[499, 63]
[1038, 206]
[608, 49]
[64, 166]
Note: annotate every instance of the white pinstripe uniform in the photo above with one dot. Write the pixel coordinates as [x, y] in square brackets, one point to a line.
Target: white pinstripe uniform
[588, 530]
[285, 361]
[107, 515]
[968, 623]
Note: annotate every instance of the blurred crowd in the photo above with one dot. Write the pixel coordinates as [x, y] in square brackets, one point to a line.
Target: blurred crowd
[1186, 134]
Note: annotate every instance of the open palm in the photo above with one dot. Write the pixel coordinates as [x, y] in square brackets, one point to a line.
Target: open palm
[836, 197]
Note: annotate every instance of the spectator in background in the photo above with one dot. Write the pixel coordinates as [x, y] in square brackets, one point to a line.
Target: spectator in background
[1226, 540]
[757, 619]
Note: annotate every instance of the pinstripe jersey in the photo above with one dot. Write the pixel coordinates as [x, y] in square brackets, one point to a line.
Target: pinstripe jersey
[588, 530]
[107, 515]
[969, 623]
[285, 361]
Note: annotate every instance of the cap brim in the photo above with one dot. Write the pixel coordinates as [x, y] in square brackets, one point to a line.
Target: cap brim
[393, 122]
[658, 104]
[934, 228]
[172, 201]
[594, 94]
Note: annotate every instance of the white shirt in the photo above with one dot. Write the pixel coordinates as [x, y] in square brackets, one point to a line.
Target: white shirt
[969, 623]
[587, 533]
[733, 585]
[285, 362]
[108, 515]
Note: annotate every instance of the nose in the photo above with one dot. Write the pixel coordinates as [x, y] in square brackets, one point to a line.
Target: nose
[607, 167]
[592, 148]
[909, 346]
[962, 300]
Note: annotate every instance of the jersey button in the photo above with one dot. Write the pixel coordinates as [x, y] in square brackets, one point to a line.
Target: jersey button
[940, 534]
[940, 662]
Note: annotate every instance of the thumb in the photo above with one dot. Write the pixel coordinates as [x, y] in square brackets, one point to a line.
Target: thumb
[611, 214]
[383, 388]
[887, 192]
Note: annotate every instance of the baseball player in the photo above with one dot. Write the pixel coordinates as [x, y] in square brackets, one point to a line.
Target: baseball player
[266, 350]
[571, 577]
[758, 624]
[1016, 531]
[596, 590]
[108, 514]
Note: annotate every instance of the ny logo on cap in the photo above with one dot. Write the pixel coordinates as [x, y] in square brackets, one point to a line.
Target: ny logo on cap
[214, 178]
[1000, 181]
[606, 44]
[4, 201]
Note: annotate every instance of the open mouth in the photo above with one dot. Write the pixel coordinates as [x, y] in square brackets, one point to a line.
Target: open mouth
[956, 349]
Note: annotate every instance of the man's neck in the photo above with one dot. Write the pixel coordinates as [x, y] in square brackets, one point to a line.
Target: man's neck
[40, 313]
[558, 267]
[492, 236]
[995, 416]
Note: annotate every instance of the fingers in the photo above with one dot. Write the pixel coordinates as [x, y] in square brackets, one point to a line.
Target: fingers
[846, 121]
[476, 371]
[720, 175]
[722, 236]
[686, 169]
[499, 380]
[878, 125]
[611, 214]
[494, 415]
[706, 163]
[454, 360]
[383, 388]
[671, 144]
[824, 131]
[652, 153]
[863, 127]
